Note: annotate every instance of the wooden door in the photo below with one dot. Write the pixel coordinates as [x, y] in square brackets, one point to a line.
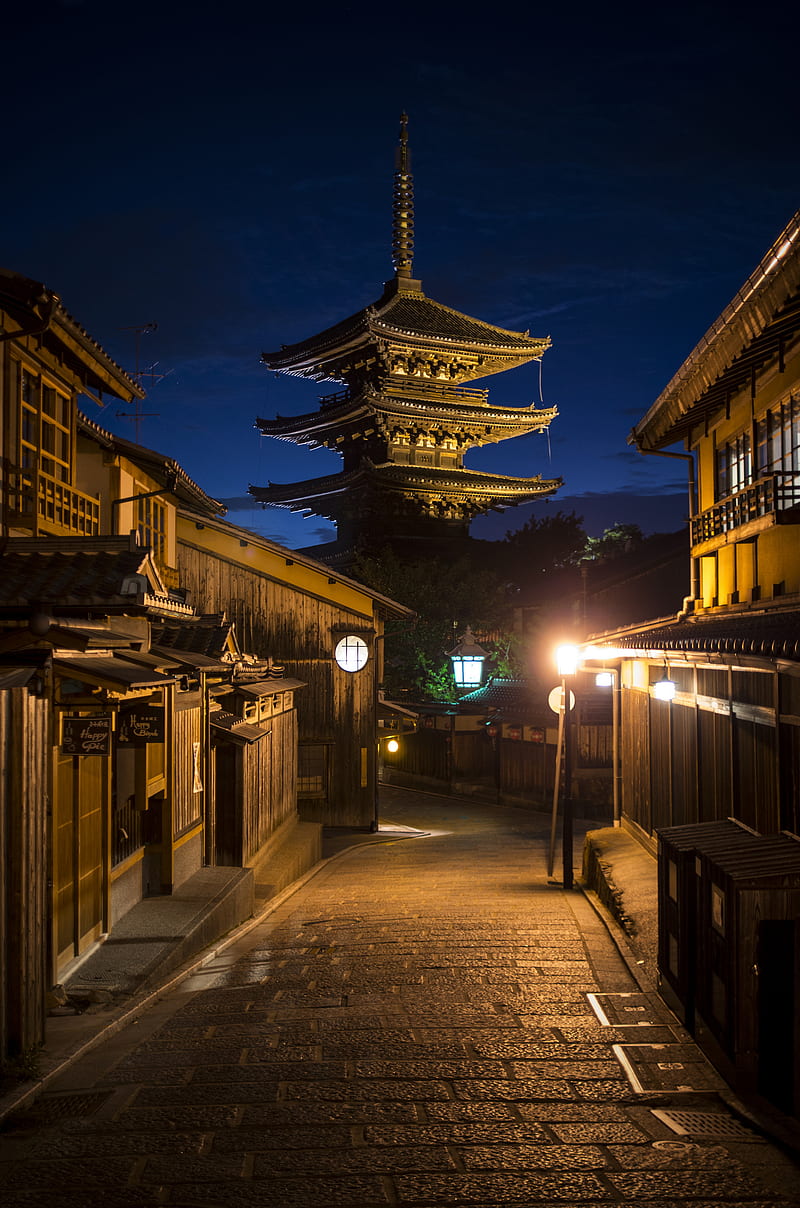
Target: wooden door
[80, 855]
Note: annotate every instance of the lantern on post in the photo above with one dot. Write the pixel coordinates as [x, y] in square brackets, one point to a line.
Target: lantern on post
[468, 660]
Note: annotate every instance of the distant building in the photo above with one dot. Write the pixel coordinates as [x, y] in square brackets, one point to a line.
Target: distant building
[405, 418]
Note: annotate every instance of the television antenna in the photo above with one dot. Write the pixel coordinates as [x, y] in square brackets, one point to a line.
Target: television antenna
[139, 375]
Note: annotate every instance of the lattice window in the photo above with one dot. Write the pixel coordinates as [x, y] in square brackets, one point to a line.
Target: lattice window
[734, 466]
[152, 526]
[312, 770]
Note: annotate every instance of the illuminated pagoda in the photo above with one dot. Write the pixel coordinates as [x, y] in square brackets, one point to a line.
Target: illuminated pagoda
[404, 418]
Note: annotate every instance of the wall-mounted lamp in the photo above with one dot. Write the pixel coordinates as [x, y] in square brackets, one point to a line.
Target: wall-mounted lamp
[664, 689]
[392, 746]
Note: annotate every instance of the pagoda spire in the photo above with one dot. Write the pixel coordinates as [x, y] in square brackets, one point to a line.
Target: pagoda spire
[403, 206]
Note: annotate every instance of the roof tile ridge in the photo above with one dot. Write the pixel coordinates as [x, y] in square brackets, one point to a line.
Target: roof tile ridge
[471, 318]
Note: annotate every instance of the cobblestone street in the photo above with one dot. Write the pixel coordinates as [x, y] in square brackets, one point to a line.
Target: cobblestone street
[426, 1021]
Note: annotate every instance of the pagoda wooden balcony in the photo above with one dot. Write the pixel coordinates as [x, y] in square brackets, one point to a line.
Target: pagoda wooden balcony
[774, 499]
[42, 504]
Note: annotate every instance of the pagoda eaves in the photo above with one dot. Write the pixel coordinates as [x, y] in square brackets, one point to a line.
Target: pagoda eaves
[407, 335]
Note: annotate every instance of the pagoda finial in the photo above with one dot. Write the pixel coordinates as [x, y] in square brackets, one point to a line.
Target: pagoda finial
[403, 206]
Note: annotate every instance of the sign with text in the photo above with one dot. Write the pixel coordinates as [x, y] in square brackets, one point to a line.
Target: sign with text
[140, 725]
[86, 735]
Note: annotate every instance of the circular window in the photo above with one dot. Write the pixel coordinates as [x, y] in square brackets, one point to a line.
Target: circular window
[351, 653]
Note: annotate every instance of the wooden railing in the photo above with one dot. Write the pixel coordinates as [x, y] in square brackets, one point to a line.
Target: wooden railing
[761, 498]
[43, 504]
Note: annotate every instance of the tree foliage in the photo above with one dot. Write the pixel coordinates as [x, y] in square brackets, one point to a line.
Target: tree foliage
[445, 597]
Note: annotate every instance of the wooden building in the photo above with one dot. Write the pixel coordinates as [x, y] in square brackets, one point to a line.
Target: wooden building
[710, 696]
[727, 742]
[404, 417]
[326, 630]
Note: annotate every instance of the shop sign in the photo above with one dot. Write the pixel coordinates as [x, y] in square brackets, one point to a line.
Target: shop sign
[86, 735]
[139, 726]
[537, 734]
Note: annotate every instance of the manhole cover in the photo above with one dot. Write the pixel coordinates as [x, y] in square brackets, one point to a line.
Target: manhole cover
[705, 1124]
[627, 1009]
[665, 1067]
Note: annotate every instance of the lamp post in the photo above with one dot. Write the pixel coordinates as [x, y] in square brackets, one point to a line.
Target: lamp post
[567, 658]
[468, 659]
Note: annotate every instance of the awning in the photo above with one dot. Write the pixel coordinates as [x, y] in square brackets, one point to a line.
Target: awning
[110, 672]
[235, 729]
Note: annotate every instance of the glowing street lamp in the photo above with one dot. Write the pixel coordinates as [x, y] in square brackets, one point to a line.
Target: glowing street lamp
[468, 660]
[664, 689]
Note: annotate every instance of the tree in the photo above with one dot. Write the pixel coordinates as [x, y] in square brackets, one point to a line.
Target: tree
[541, 547]
[446, 597]
[617, 540]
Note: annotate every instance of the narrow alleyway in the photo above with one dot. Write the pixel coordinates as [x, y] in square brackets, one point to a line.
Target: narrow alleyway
[427, 1021]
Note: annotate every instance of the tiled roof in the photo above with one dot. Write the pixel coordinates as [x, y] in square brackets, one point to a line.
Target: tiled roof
[510, 695]
[766, 634]
[458, 481]
[206, 635]
[58, 578]
[165, 469]
[411, 314]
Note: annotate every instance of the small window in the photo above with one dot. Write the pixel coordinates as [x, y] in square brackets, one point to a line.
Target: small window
[312, 770]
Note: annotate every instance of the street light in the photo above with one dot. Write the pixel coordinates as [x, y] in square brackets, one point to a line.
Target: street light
[567, 659]
[468, 660]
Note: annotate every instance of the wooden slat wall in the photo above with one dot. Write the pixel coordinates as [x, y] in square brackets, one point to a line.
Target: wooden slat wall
[188, 809]
[635, 757]
[24, 757]
[297, 630]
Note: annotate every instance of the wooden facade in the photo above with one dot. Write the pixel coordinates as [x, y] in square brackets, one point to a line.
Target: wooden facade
[24, 931]
[298, 610]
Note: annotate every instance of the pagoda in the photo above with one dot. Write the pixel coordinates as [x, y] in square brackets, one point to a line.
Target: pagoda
[405, 418]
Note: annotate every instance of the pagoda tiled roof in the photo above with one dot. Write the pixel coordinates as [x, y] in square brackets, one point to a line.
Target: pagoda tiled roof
[410, 407]
[417, 479]
[410, 316]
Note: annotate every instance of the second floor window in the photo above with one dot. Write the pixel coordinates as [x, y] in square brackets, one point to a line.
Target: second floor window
[734, 466]
[778, 441]
[152, 525]
[45, 425]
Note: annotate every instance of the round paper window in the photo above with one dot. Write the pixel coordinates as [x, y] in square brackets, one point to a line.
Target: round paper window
[351, 653]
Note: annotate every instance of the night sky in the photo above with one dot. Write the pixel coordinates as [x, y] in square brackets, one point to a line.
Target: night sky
[608, 176]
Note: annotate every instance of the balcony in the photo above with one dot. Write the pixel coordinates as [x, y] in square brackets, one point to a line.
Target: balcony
[773, 497]
[43, 505]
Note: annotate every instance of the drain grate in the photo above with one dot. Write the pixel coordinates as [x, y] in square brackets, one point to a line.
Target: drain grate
[705, 1124]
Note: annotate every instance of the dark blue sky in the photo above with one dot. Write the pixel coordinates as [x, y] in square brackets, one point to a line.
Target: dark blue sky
[605, 175]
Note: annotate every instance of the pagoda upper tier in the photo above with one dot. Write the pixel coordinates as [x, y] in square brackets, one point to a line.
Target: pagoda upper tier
[399, 415]
[407, 336]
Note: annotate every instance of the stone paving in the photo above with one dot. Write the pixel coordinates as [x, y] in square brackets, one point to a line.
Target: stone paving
[427, 1021]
